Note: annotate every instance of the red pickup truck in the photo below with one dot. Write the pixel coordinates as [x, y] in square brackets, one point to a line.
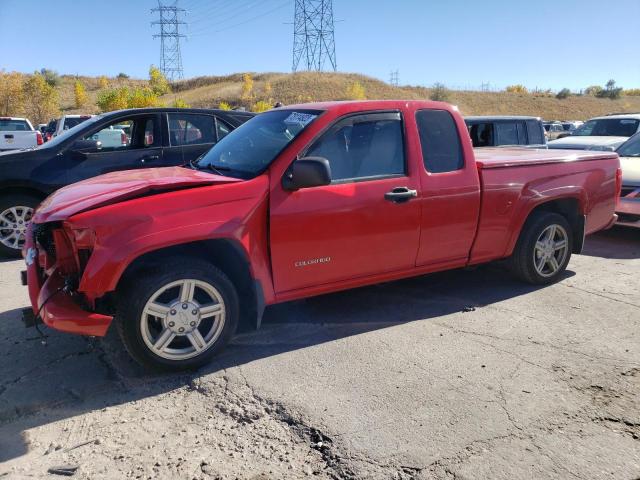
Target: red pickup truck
[302, 201]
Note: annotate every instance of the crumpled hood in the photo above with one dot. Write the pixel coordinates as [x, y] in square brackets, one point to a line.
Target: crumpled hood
[630, 171]
[119, 186]
[588, 143]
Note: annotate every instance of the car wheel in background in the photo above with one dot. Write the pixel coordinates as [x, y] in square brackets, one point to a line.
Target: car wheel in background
[16, 211]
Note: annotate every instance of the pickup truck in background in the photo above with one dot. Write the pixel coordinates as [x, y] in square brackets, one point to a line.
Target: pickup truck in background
[100, 145]
[67, 122]
[18, 134]
[497, 131]
[301, 201]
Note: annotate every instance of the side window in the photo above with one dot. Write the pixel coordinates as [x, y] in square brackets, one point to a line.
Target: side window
[222, 129]
[124, 134]
[481, 134]
[507, 133]
[191, 129]
[522, 133]
[440, 142]
[535, 132]
[363, 146]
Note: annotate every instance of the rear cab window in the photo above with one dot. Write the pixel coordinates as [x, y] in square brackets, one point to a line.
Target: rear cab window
[440, 141]
[10, 125]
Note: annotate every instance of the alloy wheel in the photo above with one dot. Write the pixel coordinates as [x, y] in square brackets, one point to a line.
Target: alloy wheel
[13, 226]
[551, 250]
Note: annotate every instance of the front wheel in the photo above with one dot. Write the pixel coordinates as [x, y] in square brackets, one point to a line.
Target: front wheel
[177, 317]
[543, 250]
[16, 211]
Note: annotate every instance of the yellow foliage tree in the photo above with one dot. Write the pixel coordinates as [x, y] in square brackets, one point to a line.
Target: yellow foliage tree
[224, 106]
[247, 87]
[80, 94]
[103, 82]
[180, 103]
[114, 99]
[355, 91]
[516, 89]
[158, 82]
[11, 94]
[41, 99]
[142, 98]
[261, 106]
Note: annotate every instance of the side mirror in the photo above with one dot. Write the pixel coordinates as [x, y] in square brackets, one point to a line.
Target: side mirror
[307, 172]
[80, 147]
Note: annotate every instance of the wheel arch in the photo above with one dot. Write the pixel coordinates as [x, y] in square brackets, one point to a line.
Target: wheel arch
[225, 254]
[22, 190]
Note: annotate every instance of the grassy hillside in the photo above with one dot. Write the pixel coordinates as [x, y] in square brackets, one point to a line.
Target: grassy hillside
[304, 87]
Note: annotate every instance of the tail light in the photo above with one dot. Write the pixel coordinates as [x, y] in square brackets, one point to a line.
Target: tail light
[39, 140]
[618, 181]
[124, 139]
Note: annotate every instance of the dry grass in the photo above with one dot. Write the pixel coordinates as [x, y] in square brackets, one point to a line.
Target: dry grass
[209, 91]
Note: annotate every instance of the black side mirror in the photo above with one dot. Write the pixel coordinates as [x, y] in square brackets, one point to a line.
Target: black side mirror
[307, 172]
[81, 147]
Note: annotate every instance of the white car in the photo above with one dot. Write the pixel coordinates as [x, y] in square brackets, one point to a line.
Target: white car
[601, 133]
[628, 208]
[18, 133]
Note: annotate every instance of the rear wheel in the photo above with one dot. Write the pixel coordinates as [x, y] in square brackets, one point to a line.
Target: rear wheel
[177, 317]
[543, 250]
[16, 211]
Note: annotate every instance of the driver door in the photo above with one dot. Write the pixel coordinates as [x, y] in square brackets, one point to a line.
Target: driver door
[127, 143]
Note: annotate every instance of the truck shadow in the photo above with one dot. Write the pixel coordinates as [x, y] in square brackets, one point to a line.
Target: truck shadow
[71, 375]
[618, 242]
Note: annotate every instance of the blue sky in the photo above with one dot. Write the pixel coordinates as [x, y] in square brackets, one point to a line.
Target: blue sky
[541, 43]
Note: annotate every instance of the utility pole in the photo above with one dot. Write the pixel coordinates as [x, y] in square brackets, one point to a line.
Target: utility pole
[313, 41]
[170, 56]
[393, 78]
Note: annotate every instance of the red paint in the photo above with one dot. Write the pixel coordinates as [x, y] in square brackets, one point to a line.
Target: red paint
[321, 239]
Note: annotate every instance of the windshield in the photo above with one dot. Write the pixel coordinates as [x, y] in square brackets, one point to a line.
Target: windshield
[249, 150]
[631, 148]
[54, 142]
[608, 127]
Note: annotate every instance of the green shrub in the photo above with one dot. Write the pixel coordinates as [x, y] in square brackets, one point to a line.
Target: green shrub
[564, 93]
[439, 93]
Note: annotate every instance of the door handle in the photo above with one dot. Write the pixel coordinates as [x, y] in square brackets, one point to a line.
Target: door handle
[149, 157]
[400, 195]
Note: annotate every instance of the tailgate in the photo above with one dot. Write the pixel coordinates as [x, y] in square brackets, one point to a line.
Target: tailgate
[13, 140]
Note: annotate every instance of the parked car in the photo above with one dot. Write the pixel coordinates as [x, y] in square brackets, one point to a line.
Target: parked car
[67, 122]
[492, 131]
[18, 133]
[300, 201]
[601, 133]
[157, 139]
[628, 208]
[553, 130]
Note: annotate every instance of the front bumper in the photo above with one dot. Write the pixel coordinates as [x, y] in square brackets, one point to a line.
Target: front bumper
[628, 209]
[57, 308]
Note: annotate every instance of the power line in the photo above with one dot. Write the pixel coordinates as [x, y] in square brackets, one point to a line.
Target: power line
[393, 78]
[313, 39]
[169, 22]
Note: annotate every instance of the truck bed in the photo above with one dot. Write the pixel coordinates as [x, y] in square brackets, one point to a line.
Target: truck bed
[515, 157]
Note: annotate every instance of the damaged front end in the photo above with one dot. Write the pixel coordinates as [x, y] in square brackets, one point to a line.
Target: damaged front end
[56, 256]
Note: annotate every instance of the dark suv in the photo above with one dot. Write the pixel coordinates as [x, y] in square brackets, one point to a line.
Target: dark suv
[122, 140]
[497, 131]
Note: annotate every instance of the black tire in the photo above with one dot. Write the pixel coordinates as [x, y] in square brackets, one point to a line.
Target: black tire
[7, 202]
[138, 288]
[522, 261]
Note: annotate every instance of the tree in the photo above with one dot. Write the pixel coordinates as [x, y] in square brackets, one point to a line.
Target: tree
[355, 91]
[41, 99]
[103, 82]
[224, 106]
[261, 106]
[180, 103]
[142, 98]
[247, 87]
[51, 77]
[439, 93]
[122, 76]
[11, 94]
[158, 82]
[610, 91]
[113, 99]
[516, 89]
[80, 94]
[594, 90]
[564, 93]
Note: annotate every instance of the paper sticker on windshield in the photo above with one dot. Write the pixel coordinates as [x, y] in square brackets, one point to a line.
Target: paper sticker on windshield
[627, 122]
[298, 118]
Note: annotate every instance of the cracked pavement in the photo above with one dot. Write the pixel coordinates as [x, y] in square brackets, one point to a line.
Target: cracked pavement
[457, 375]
